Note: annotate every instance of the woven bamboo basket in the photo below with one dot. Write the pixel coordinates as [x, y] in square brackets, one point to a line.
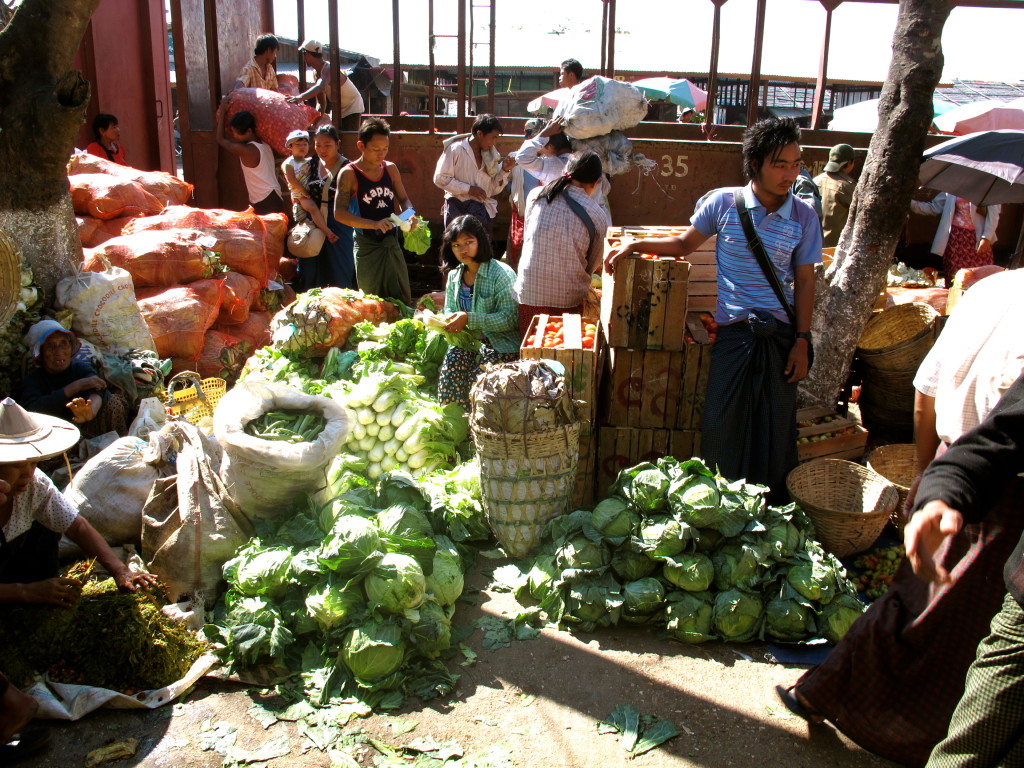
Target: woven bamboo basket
[898, 338]
[526, 480]
[848, 504]
[10, 278]
[897, 463]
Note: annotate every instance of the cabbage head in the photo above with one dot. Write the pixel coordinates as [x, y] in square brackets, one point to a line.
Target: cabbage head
[688, 616]
[790, 620]
[695, 499]
[736, 565]
[581, 554]
[614, 519]
[405, 520]
[259, 571]
[646, 490]
[353, 546]
[332, 605]
[662, 537]
[445, 581]
[593, 602]
[631, 565]
[837, 617]
[432, 631]
[814, 578]
[643, 596]
[692, 572]
[396, 584]
[373, 650]
[737, 615]
[242, 609]
[543, 577]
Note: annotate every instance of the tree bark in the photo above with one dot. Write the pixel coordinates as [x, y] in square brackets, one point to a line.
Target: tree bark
[42, 104]
[846, 292]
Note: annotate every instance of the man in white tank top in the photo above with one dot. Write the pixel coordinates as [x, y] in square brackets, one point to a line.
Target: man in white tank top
[258, 165]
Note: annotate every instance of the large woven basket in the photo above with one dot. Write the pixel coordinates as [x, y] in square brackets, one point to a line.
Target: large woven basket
[898, 338]
[10, 278]
[897, 463]
[848, 504]
[526, 480]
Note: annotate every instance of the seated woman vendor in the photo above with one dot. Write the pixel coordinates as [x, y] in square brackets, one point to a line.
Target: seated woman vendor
[34, 514]
[67, 388]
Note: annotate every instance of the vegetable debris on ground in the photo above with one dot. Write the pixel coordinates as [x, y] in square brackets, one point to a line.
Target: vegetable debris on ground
[109, 639]
[679, 548]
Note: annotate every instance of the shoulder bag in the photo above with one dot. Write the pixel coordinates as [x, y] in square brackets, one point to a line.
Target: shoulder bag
[757, 248]
[305, 239]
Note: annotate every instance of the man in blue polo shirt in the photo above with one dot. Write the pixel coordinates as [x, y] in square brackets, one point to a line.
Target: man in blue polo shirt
[749, 428]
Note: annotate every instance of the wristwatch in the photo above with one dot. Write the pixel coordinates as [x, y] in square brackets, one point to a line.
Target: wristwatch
[805, 335]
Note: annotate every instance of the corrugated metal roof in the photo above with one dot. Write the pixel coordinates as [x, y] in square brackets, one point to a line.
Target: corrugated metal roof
[968, 91]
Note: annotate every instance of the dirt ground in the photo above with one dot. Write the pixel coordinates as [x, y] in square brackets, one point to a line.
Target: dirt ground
[538, 699]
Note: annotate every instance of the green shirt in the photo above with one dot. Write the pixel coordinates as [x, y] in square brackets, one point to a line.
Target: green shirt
[495, 312]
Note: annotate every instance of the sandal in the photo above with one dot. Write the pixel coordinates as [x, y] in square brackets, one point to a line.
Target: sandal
[25, 744]
[789, 699]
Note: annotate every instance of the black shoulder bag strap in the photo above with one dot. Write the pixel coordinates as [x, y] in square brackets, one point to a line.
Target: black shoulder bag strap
[576, 208]
[757, 248]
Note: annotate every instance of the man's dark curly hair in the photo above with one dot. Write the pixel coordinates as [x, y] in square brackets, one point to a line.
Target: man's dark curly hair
[764, 140]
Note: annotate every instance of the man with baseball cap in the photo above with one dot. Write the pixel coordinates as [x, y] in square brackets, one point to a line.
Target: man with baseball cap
[836, 186]
[351, 100]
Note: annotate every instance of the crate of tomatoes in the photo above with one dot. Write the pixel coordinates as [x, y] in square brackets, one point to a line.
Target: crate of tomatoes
[824, 433]
[575, 342]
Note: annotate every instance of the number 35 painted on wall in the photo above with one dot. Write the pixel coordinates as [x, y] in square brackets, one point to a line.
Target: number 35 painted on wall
[677, 168]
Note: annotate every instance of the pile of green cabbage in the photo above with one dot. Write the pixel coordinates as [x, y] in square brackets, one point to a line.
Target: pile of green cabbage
[356, 595]
[678, 547]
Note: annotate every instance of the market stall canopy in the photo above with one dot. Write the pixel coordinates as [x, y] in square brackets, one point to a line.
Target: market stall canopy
[991, 115]
[677, 90]
[547, 101]
[986, 168]
[863, 116]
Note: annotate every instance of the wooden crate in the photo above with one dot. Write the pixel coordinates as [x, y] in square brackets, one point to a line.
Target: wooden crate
[583, 491]
[644, 304]
[697, 363]
[582, 369]
[848, 446]
[622, 447]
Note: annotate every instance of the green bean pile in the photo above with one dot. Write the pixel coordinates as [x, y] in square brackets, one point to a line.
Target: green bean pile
[287, 426]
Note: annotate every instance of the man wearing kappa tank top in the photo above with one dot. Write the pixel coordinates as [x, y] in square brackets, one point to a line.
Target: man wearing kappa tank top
[377, 186]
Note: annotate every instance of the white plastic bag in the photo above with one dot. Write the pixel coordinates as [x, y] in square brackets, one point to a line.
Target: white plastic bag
[190, 526]
[151, 417]
[265, 476]
[614, 149]
[105, 310]
[599, 105]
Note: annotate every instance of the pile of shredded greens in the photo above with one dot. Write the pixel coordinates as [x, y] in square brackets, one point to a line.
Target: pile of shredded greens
[109, 639]
[678, 547]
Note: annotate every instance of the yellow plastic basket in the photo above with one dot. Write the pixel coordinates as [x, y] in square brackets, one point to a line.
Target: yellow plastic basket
[192, 398]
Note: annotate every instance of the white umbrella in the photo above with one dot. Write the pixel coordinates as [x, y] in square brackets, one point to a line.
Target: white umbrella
[977, 116]
[863, 116]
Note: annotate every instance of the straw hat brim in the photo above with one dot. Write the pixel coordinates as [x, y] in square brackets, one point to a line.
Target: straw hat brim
[54, 437]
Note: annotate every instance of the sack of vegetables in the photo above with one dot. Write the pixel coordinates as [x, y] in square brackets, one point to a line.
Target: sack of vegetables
[278, 443]
[527, 436]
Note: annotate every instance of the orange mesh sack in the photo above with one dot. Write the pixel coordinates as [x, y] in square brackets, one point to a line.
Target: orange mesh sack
[323, 318]
[255, 329]
[223, 355]
[275, 116]
[93, 231]
[179, 317]
[239, 293]
[165, 187]
[108, 197]
[276, 226]
[154, 258]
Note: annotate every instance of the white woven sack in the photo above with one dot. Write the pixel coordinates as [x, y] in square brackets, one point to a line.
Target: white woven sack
[105, 311]
[265, 476]
[600, 105]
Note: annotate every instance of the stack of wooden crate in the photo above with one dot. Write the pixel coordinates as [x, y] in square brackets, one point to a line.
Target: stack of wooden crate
[582, 368]
[652, 397]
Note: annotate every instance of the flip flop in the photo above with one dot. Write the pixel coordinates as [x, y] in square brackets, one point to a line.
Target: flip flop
[788, 698]
[25, 744]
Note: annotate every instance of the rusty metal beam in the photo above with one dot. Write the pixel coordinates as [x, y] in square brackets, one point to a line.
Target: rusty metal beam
[431, 126]
[334, 63]
[819, 86]
[300, 9]
[755, 67]
[396, 81]
[490, 63]
[604, 39]
[611, 38]
[460, 112]
[716, 36]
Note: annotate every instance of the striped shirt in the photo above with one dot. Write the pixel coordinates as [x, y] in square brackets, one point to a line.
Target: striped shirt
[791, 237]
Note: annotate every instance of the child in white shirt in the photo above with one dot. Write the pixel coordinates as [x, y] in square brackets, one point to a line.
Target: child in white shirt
[297, 170]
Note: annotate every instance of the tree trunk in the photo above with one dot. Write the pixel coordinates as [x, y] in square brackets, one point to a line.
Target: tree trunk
[42, 105]
[847, 291]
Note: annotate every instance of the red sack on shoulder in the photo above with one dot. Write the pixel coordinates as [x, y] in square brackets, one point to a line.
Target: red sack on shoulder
[179, 317]
[276, 117]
